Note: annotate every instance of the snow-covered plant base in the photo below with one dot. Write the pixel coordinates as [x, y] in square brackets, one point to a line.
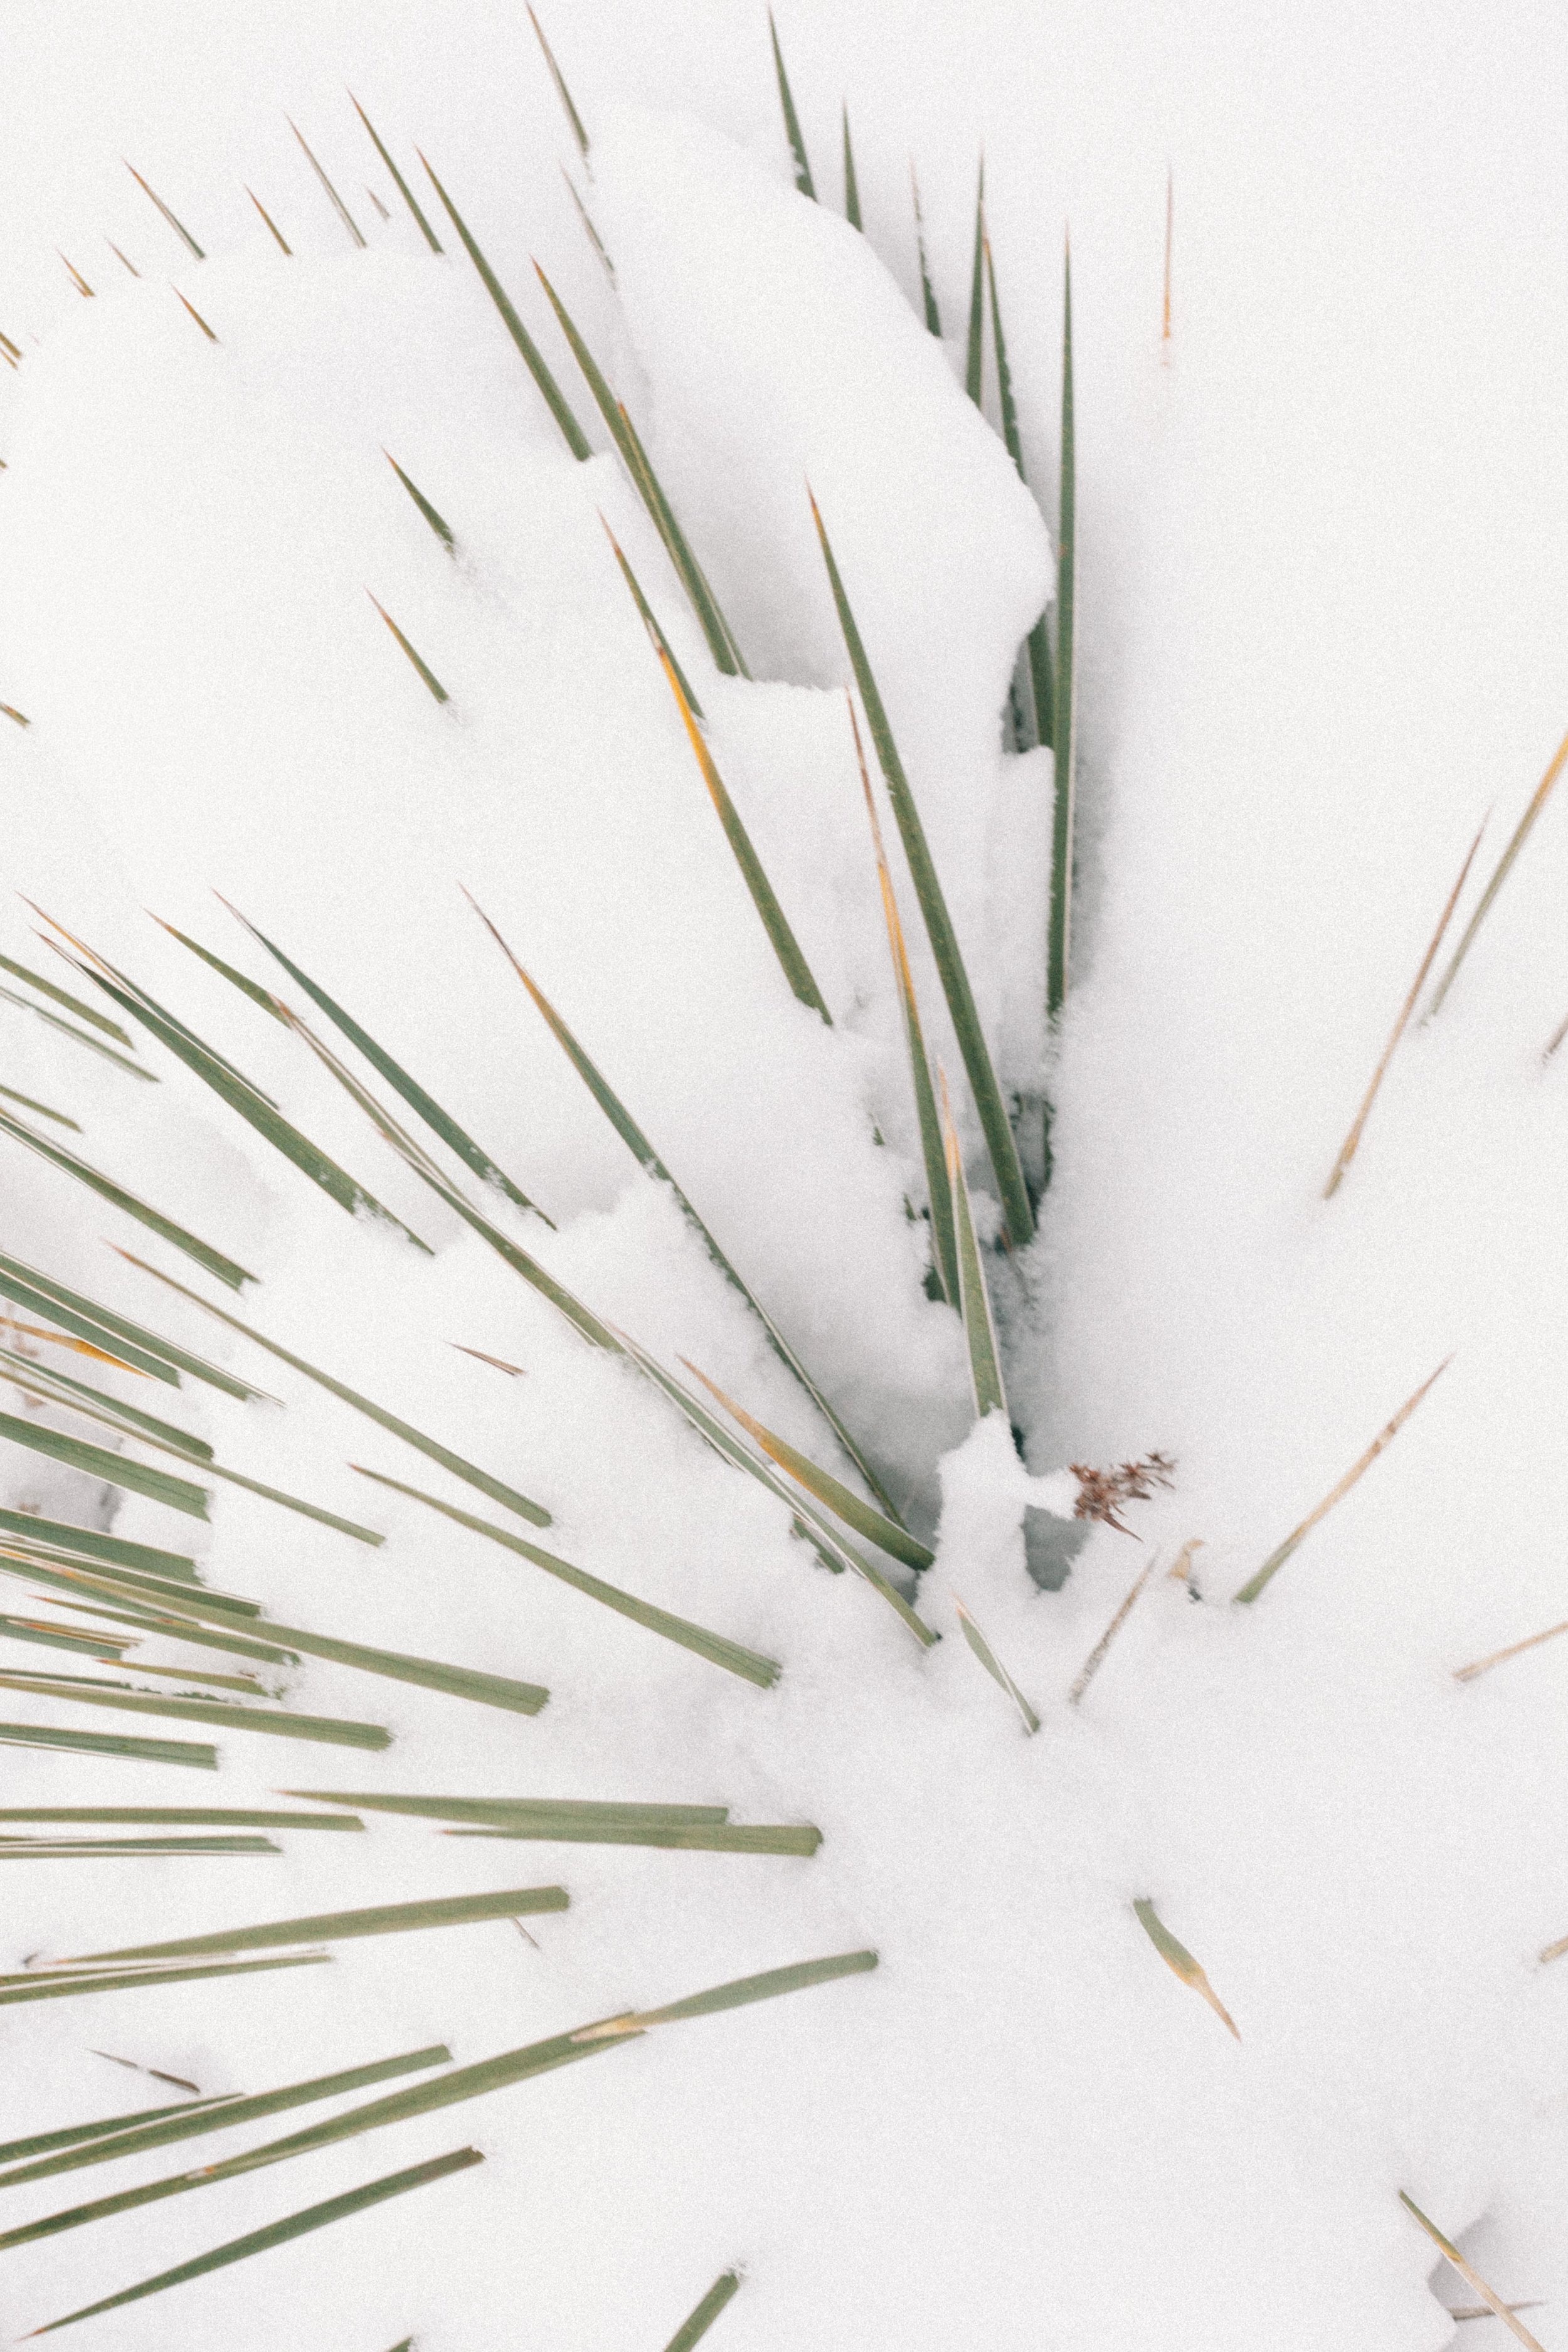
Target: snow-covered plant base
[1005, 2116]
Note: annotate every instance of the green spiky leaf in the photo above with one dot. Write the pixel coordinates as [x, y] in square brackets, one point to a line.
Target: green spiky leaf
[696, 2325]
[469, 1472]
[791, 119]
[555, 401]
[1065, 716]
[715, 1647]
[279, 2233]
[404, 190]
[988, 1102]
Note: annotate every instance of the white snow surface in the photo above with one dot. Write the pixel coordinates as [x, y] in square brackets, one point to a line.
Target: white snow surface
[1323, 613]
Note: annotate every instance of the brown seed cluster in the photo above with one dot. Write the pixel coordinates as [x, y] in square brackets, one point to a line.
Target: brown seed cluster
[1101, 1493]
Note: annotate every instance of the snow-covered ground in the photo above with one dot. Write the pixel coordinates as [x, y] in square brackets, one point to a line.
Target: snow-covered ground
[1323, 608]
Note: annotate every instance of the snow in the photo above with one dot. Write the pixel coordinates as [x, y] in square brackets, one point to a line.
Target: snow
[1322, 614]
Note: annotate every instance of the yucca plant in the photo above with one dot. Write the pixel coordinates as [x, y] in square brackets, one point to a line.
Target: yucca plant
[671, 1343]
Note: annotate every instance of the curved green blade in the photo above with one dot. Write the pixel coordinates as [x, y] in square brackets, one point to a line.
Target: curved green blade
[973, 1292]
[693, 2329]
[404, 190]
[716, 1648]
[469, 1472]
[791, 119]
[1065, 709]
[227, 1269]
[534, 357]
[279, 2233]
[988, 1102]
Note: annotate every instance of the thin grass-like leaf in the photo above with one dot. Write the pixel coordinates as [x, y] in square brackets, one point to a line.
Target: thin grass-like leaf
[73, 2134]
[642, 1150]
[1349, 1147]
[90, 1544]
[462, 2084]
[186, 305]
[439, 1121]
[592, 234]
[263, 1001]
[59, 995]
[998, 1133]
[135, 2135]
[404, 190]
[10, 713]
[678, 1828]
[82, 287]
[147, 1351]
[113, 1469]
[64, 1339]
[1484, 1665]
[245, 1683]
[928, 291]
[120, 1472]
[1385, 1437]
[562, 92]
[1472, 2277]
[1520, 835]
[716, 1648]
[338, 205]
[973, 1292]
[974, 358]
[47, 1382]
[45, 1987]
[417, 659]
[234, 1088]
[181, 231]
[41, 1109]
[469, 1472]
[661, 644]
[62, 1637]
[808, 1521]
[1038, 641]
[124, 259]
[781, 937]
[64, 1574]
[993, 1666]
[715, 628]
[116, 1849]
[791, 119]
[327, 1731]
[1180, 1962]
[340, 1926]
[172, 1816]
[64, 1029]
[743, 1990]
[1091, 1664]
[426, 1674]
[193, 1752]
[695, 2326]
[570, 1813]
[151, 1620]
[554, 399]
[279, 236]
[279, 2233]
[839, 1499]
[933, 1152]
[433, 515]
[1064, 697]
[851, 188]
